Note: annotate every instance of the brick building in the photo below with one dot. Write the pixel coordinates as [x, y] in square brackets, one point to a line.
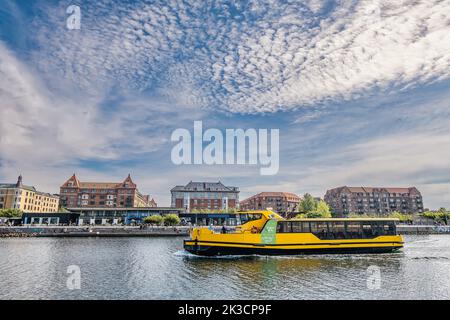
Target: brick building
[26, 198]
[205, 196]
[369, 200]
[125, 194]
[280, 202]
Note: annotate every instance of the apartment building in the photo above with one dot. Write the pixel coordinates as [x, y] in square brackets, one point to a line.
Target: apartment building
[374, 200]
[205, 196]
[26, 198]
[280, 202]
[75, 193]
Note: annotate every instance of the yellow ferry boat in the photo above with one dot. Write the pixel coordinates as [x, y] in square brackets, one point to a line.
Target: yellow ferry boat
[267, 233]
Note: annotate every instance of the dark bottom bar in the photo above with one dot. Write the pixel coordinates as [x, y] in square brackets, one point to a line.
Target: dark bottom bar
[222, 251]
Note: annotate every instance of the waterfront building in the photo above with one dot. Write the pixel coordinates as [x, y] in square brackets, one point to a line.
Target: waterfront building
[49, 219]
[26, 198]
[280, 202]
[205, 196]
[125, 194]
[102, 215]
[371, 200]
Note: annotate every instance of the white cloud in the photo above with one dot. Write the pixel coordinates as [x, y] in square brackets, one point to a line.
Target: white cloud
[40, 130]
[261, 57]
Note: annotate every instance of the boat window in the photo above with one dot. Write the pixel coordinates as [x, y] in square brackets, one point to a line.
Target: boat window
[305, 227]
[377, 228]
[367, 229]
[284, 227]
[313, 227]
[389, 228]
[249, 217]
[322, 228]
[353, 229]
[338, 229]
[299, 227]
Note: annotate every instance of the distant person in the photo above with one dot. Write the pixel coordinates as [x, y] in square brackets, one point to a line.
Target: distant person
[224, 229]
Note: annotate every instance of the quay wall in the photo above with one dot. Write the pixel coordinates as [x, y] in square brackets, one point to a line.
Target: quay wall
[103, 231]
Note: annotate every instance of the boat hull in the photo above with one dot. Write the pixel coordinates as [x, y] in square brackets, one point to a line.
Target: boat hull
[210, 249]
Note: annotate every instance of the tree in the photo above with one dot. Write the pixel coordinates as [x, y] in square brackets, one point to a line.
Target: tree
[154, 219]
[308, 204]
[323, 209]
[10, 213]
[171, 219]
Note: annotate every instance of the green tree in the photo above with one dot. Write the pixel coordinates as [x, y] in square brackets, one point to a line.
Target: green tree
[154, 219]
[171, 219]
[308, 204]
[323, 209]
[10, 213]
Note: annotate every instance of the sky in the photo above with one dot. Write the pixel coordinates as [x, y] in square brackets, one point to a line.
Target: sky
[359, 90]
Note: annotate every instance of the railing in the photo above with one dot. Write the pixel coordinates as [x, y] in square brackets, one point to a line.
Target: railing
[442, 229]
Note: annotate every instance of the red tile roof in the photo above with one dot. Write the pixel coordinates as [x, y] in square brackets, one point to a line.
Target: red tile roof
[374, 189]
[274, 194]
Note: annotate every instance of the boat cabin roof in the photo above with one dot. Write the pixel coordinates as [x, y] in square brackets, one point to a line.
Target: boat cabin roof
[271, 214]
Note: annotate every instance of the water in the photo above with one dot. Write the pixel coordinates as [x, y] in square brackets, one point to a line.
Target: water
[158, 268]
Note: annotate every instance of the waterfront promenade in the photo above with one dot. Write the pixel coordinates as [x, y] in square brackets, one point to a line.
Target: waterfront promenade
[155, 231]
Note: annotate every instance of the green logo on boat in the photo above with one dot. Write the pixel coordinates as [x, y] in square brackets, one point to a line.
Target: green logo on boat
[268, 235]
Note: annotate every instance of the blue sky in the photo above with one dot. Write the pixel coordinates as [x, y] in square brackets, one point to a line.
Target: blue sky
[359, 91]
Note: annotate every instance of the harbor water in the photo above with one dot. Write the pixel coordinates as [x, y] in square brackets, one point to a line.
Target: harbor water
[158, 268]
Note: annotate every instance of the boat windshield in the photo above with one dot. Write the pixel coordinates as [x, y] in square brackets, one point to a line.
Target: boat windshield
[246, 217]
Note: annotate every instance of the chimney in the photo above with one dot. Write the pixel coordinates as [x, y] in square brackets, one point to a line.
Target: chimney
[19, 182]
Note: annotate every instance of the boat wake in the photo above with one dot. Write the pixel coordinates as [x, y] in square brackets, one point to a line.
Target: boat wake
[186, 254]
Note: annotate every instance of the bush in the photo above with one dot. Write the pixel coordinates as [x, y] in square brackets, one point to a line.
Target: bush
[402, 217]
[171, 219]
[10, 213]
[438, 216]
[312, 215]
[154, 219]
